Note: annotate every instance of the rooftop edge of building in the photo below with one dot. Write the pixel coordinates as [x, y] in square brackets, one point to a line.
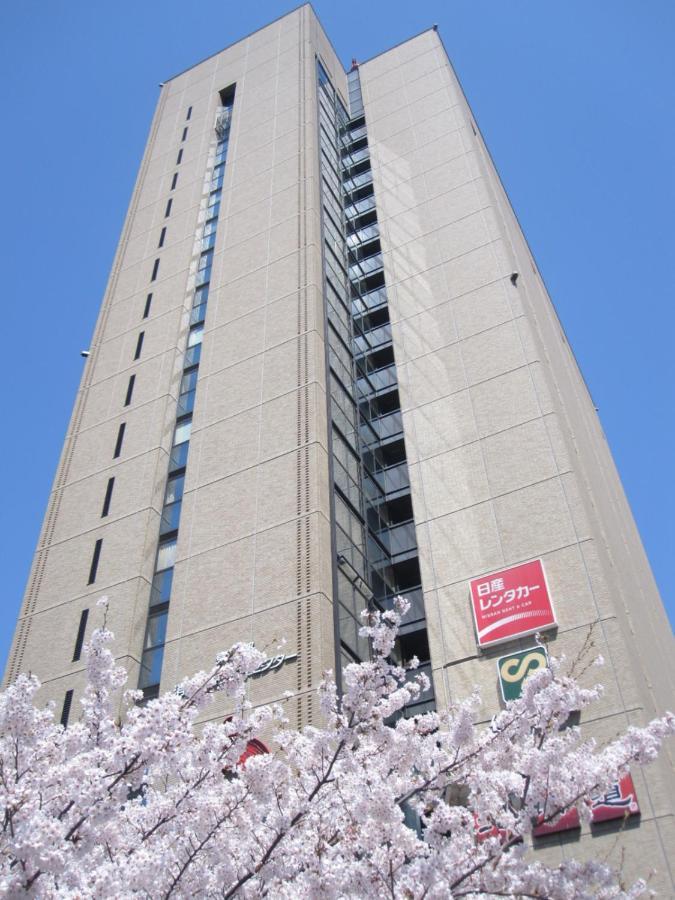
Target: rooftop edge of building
[285, 15]
[245, 37]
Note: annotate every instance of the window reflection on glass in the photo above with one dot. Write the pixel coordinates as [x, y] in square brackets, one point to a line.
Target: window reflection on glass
[166, 555]
[155, 633]
[161, 587]
[182, 432]
[174, 488]
[196, 334]
[151, 667]
[189, 381]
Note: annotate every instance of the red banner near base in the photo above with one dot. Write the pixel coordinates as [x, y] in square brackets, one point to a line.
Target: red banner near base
[617, 803]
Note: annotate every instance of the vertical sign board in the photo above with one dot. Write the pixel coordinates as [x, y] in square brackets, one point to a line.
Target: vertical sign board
[511, 604]
[514, 669]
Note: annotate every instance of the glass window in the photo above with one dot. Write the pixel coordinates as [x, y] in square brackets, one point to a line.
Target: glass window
[196, 334]
[186, 403]
[192, 356]
[174, 489]
[155, 633]
[205, 259]
[201, 295]
[151, 667]
[161, 587]
[189, 381]
[197, 314]
[204, 267]
[182, 432]
[323, 75]
[210, 226]
[170, 518]
[166, 555]
[179, 455]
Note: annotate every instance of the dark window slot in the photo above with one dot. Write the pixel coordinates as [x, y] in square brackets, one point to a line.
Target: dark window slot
[150, 693]
[407, 574]
[119, 441]
[415, 643]
[93, 569]
[357, 169]
[227, 95]
[370, 283]
[357, 145]
[383, 404]
[148, 303]
[366, 250]
[130, 390]
[380, 358]
[179, 158]
[185, 132]
[359, 193]
[162, 235]
[174, 180]
[168, 209]
[108, 497]
[374, 319]
[399, 510]
[392, 454]
[79, 640]
[368, 218]
[65, 712]
[139, 345]
[155, 270]
[189, 114]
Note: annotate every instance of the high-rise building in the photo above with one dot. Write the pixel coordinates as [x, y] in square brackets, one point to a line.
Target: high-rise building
[326, 370]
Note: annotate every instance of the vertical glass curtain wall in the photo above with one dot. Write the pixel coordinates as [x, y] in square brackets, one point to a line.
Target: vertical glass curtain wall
[377, 556]
[160, 594]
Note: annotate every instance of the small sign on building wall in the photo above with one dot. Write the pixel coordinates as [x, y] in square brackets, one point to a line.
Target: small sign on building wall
[511, 604]
[514, 669]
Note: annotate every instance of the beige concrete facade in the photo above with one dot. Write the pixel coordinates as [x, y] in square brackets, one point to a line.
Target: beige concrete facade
[506, 454]
[507, 457]
[253, 558]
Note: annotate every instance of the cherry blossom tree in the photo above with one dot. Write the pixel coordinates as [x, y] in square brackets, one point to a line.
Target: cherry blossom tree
[161, 806]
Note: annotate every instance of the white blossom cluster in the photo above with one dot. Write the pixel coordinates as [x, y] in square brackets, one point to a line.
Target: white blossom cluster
[154, 806]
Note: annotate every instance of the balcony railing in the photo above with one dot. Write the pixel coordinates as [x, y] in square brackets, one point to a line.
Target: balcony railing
[363, 235]
[357, 181]
[372, 339]
[400, 538]
[365, 267]
[396, 478]
[377, 380]
[381, 429]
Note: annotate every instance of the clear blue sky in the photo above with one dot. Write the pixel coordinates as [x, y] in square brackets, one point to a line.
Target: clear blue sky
[575, 100]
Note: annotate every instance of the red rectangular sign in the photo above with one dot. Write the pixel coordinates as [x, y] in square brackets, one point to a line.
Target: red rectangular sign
[511, 604]
[620, 801]
[567, 821]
